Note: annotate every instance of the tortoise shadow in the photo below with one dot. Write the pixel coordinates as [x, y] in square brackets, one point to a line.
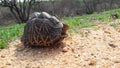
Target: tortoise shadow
[38, 53]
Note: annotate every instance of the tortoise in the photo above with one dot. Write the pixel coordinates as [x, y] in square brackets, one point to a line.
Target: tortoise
[42, 29]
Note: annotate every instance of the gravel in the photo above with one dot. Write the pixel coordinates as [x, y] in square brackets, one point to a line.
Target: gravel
[88, 48]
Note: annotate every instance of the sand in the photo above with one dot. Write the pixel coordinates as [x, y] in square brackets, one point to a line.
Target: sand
[97, 47]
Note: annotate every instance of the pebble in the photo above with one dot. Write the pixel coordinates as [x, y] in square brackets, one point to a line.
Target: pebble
[2, 56]
[117, 65]
[8, 63]
[112, 45]
[116, 60]
[107, 32]
[76, 55]
[106, 64]
[65, 61]
[66, 49]
[92, 62]
[3, 67]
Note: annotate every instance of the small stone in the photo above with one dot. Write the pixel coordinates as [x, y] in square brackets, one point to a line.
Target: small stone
[107, 32]
[106, 64]
[66, 49]
[3, 67]
[72, 49]
[2, 56]
[117, 65]
[118, 29]
[65, 61]
[8, 64]
[112, 45]
[77, 55]
[92, 62]
[116, 60]
[71, 43]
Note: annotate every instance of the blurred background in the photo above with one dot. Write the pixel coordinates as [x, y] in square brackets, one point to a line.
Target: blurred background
[63, 8]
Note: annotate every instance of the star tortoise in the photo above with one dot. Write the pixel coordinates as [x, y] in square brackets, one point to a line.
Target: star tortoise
[42, 29]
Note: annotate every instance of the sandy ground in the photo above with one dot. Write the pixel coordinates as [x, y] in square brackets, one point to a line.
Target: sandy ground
[97, 47]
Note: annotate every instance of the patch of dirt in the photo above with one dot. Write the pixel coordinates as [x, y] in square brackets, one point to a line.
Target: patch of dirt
[97, 47]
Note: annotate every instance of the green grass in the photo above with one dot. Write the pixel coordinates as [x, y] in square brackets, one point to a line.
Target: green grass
[115, 25]
[76, 22]
[10, 32]
[90, 19]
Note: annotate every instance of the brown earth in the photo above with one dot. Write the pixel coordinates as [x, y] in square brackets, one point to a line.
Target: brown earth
[97, 47]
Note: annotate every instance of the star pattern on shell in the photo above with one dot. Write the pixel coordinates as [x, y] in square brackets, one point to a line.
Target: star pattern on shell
[42, 29]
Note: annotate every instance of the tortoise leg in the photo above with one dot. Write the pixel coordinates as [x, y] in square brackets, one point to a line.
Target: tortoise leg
[65, 28]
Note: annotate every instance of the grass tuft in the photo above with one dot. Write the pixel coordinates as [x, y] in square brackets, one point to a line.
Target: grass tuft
[76, 22]
[10, 32]
[88, 20]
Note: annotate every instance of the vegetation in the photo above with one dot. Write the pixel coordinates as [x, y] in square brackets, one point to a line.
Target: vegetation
[90, 19]
[10, 32]
[20, 9]
[63, 8]
[7, 33]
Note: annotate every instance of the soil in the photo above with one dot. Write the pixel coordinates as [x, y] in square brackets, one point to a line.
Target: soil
[97, 47]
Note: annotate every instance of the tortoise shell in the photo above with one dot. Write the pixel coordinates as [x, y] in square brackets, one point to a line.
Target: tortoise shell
[43, 32]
